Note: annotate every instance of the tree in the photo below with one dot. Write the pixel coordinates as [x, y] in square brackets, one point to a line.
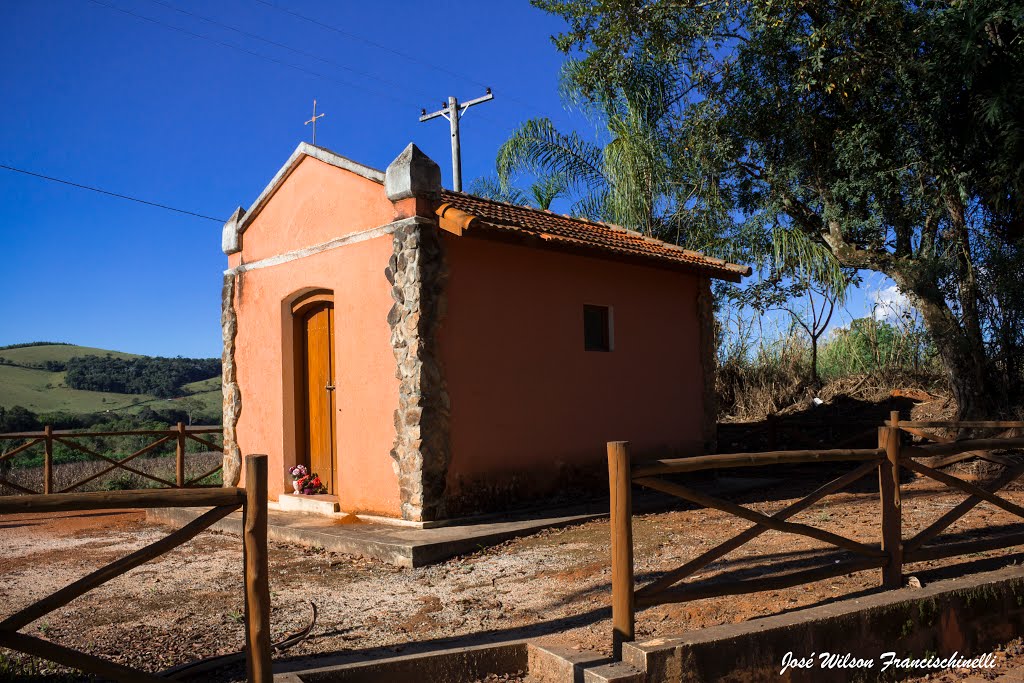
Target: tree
[540, 194]
[885, 135]
[813, 318]
[625, 181]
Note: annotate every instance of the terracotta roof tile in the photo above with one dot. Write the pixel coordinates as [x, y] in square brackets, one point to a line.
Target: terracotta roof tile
[565, 230]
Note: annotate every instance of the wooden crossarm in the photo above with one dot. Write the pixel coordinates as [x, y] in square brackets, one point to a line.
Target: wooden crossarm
[729, 460]
[966, 424]
[997, 459]
[204, 476]
[208, 444]
[925, 435]
[984, 455]
[939, 525]
[955, 447]
[19, 449]
[970, 488]
[120, 500]
[696, 564]
[758, 518]
[115, 463]
[65, 595]
[16, 487]
[73, 658]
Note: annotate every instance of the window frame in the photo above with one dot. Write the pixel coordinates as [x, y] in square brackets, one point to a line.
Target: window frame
[608, 336]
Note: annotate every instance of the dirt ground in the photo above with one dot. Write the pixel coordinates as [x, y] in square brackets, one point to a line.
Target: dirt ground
[555, 584]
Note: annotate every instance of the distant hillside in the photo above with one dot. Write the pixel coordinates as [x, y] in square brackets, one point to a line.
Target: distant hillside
[38, 353]
[29, 378]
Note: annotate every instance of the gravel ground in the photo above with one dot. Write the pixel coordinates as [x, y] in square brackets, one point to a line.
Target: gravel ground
[188, 603]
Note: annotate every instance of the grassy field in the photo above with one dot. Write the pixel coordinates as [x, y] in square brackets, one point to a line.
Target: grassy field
[57, 352]
[207, 393]
[42, 392]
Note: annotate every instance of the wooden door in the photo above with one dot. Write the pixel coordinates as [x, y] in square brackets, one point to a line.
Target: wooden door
[318, 375]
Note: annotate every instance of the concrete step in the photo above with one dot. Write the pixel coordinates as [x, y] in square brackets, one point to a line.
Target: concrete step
[616, 672]
[317, 505]
[552, 664]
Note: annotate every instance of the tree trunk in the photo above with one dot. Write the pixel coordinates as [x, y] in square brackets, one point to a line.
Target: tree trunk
[815, 379]
[962, 354]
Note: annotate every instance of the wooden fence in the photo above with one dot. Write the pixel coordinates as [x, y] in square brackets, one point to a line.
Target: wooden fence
[253, 501]
[888, 555]
[48, 437]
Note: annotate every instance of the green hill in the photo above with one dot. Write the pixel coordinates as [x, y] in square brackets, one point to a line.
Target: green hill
[25, 382]
[27, 355]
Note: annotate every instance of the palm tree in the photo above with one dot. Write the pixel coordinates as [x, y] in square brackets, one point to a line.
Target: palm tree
[541, 193]
[645, 179]
[626, 181]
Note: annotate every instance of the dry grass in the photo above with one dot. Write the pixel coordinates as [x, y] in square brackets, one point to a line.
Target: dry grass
[752, 391]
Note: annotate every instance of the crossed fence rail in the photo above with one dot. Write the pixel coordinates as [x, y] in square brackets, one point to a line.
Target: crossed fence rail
[888, 555]
[46, 439]
[223, 501]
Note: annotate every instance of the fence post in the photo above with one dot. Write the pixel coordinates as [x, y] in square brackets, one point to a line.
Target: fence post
[179, 457]
[620, 485]
[48, 459]
[889, 493]
[257, 572]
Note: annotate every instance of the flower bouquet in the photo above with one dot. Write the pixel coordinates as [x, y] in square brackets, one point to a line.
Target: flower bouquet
[306, 482]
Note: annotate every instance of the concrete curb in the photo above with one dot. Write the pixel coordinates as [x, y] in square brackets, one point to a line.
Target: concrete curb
[448, 666]
[968, 615]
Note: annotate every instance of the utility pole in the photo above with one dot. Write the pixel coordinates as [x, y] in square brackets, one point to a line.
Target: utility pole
[453, 111]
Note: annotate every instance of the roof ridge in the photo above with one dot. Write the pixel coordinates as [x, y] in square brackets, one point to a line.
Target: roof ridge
[630, 241]
[549, 212]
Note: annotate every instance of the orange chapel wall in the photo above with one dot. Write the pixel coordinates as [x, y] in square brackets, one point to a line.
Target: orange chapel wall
[316, 204]
[531, 410]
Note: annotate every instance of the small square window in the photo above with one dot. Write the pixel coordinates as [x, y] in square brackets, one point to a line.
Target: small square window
[597, 328]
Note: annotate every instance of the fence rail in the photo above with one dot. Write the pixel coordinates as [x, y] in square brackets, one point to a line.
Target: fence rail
[223, 501]
[888, 554]
[180, 435]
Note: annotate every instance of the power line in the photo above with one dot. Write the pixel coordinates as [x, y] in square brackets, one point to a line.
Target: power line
[367, 41]
[280, 62]
[386, 48]
[275, 43]
[246, 51]
[111, 194]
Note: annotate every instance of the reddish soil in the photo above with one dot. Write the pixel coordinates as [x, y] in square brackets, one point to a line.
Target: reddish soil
[188, 603]
[555, 584]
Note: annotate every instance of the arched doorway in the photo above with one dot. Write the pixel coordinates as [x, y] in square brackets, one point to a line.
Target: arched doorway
[313, 318]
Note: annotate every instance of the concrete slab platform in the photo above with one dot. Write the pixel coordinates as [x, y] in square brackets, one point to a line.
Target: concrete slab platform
[419, 546]
[402, 546]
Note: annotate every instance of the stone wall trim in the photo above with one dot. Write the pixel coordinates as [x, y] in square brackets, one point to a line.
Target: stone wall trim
[417, 273]
[232, 395]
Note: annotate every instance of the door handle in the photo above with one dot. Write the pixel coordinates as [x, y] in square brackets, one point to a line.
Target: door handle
[329, 387]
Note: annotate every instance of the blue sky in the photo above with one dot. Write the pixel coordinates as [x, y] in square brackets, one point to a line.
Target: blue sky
[142, 97]
[104, 98]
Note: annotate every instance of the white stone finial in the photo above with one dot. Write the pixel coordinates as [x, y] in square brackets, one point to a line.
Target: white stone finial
[412, 174]
[230, 237]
